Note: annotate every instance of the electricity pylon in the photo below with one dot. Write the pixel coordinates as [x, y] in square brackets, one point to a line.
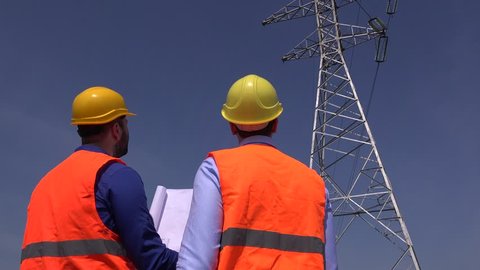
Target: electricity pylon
[343, 150]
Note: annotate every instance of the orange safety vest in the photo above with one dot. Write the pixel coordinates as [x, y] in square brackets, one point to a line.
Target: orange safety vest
[64, 230]
[273, 210]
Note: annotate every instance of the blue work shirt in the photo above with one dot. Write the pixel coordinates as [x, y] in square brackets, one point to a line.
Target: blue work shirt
[201, 240]
[122, 206]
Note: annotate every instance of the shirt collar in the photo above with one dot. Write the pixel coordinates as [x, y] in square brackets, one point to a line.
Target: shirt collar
[91, 148]
[257, 139]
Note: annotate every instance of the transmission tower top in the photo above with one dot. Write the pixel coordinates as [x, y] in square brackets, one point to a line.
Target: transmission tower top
[343, 149]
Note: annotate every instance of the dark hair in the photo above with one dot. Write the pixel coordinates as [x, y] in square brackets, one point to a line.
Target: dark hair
[85, 131]
[88, 132]
[266, 131]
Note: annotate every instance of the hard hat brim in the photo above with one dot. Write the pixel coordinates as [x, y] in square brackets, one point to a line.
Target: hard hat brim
[100, 120]
[229, 118]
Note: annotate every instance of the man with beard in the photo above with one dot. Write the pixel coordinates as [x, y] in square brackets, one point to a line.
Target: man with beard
[90, 211]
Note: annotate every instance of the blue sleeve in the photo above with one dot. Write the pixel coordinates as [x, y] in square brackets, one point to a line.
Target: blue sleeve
[201, 240]
[330, 250]
[127, 204]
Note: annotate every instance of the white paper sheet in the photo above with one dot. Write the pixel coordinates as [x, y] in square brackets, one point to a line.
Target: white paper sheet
[169, 210]
[158, 204]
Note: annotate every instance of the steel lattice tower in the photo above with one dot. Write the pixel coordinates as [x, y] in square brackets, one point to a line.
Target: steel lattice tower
[343, 150]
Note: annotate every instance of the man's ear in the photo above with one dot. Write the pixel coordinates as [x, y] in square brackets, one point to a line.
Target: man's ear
[116, 130]
[275, 125]
[233, 129]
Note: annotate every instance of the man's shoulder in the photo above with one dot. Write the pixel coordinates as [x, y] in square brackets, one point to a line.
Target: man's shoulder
[293, 160]
[298, 164]
[222, 150]
[115, 169]
[241, 149]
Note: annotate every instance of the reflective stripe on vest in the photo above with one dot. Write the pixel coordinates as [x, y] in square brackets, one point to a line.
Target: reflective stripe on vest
[266, 239]
[73, 248]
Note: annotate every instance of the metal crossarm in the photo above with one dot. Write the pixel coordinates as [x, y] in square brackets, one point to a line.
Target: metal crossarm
[293, 10]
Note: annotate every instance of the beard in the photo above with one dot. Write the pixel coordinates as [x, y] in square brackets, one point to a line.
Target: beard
[121, 148]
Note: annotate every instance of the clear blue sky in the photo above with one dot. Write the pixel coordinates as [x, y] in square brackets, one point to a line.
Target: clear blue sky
[174, 60]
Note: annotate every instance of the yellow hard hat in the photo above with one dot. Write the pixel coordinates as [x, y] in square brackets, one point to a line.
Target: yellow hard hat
[251, 100]
[98, 105]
